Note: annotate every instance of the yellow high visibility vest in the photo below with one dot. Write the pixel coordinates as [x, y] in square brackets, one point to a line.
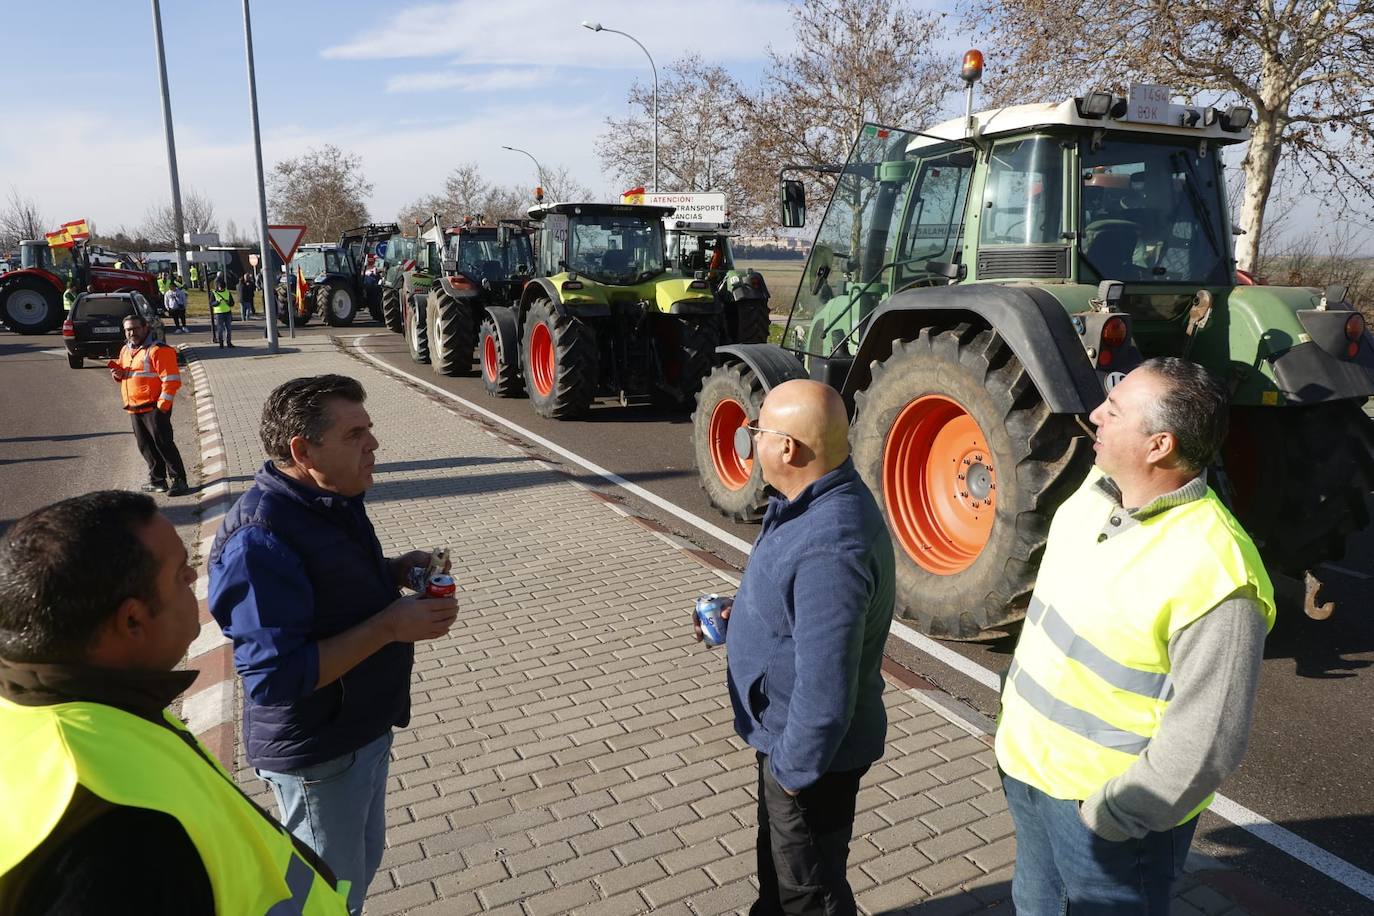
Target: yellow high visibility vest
[128, 761]
[1089, 682]
[223, 303]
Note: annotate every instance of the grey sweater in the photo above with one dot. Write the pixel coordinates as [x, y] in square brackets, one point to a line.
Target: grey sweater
[1215, 666]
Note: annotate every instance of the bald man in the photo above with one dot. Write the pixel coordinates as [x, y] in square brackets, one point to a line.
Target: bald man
[805, 646]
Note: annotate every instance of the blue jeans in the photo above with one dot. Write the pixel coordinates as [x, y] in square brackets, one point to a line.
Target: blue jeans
[338, 809]
[223, 327]
[1063, 867]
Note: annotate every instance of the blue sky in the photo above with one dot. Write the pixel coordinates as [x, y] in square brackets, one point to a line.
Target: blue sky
[412, 88]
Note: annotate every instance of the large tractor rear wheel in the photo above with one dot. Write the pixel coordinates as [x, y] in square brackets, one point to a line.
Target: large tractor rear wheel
[336, 304]
[416, 329]
[452, 334]
[391, 310]
[730, 399]
[29, 306]
[1300, 478]
[372, 297]
[561, 362]
[969, 464]
[753, 321]
[500, 376]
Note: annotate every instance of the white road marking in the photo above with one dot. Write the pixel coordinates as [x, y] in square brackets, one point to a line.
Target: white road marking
[1258, 826]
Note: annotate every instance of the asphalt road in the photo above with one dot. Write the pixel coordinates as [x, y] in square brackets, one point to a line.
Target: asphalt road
[1308, 767]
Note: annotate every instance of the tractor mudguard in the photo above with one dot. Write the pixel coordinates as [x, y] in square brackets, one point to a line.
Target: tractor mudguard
[507, 333]
[1279, 348]
[771, 363]
[1030, 320]
[550, 290]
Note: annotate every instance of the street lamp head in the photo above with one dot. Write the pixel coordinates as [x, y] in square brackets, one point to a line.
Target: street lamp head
[594, 26]
[511, 148]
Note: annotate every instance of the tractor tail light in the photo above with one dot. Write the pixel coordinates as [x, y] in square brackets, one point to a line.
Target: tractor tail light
[1104, 359]
[463, 283]
[1354, 327]
[572, 284]
[1113, 333]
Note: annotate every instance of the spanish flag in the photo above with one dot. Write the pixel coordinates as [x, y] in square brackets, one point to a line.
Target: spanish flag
[300, 291]
[632, 196]
[77, 230]
[60, 239]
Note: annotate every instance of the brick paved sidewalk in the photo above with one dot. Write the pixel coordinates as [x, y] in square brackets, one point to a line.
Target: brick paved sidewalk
[571, 747]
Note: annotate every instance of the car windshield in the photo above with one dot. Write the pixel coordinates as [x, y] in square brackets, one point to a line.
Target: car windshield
[615, 247]
[309, 262]
[480, 254]
[1153, 213]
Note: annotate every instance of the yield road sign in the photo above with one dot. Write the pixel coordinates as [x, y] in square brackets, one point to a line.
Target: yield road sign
[285, 240]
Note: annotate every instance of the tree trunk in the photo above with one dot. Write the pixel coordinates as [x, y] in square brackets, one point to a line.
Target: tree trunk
[1260, 163]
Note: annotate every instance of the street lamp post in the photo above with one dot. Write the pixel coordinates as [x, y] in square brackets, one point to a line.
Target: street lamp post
[539, 169]
[598, 27]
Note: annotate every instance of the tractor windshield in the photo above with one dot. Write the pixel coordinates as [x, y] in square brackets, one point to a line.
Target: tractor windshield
[696, 251]
[480, 255]
[858, 242]
[336, 262]
[616, 248]
[36, 255]
[1153, 213]
[309, 262]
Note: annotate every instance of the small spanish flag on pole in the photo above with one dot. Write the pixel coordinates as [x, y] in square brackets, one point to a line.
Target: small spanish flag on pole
[632, 196]
[77, 230]
[300, 290]
[59, 239]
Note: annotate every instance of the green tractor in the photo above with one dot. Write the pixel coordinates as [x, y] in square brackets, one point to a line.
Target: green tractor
[704, 247]
[604, 315]
[398, 260]
[366, 250]
[972, 291]
[412, 279]
[481, 266]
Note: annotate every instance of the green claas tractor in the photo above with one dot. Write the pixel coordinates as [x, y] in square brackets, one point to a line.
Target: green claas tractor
[398, 260]
[417, 277]
[481, 266]
[972, 291]
[603, 315]
[704, 247]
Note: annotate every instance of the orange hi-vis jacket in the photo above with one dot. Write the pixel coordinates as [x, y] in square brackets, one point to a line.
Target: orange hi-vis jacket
[153, 379]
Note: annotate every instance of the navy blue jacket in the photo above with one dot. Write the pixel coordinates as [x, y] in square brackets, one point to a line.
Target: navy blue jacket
[806, 633]
[292, 565]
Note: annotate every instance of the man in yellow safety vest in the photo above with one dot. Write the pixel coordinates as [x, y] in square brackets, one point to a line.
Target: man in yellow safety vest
[1130, 695]
[222, 313]
[107, 802]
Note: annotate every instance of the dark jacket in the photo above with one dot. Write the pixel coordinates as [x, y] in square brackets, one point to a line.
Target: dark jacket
[806, 634]
[292, 565]
[99, 852]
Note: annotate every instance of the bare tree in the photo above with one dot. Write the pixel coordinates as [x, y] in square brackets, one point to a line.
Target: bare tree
[466, 193]
[324, 189]
[854, 61]
[21, 219]
[560, 185]
[160, 225]
[1305, 67]
[701, 132]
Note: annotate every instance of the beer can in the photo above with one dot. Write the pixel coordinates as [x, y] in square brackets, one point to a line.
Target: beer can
[708, 610]
[441, 585]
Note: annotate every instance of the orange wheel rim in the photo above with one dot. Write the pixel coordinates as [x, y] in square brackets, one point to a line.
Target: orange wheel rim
[489, 358]
[543, 364]
[940, 485]
[733, 471]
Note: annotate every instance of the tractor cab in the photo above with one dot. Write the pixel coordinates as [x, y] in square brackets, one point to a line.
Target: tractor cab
[612, 244]
[490, 255]
[702, 249]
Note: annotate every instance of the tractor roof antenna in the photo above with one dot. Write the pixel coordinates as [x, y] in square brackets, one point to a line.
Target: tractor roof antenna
[971, 72]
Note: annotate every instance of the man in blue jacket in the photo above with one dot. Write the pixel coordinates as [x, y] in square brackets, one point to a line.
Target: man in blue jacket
[805, 644]
[321, 639]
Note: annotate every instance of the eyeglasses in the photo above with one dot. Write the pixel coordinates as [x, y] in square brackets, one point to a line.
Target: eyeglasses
[744, 439]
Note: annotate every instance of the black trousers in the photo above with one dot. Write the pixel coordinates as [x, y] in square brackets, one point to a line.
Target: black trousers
[803, 845]
[153, 433]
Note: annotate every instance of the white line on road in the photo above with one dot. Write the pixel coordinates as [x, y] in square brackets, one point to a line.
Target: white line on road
[1265, 830]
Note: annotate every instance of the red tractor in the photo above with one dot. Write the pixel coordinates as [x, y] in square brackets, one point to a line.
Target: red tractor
[31, 297]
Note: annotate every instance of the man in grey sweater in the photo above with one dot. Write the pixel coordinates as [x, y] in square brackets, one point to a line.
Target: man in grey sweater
[1130, 696]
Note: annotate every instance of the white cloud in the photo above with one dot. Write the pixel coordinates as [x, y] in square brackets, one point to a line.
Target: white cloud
[467, 81]
[540, 33]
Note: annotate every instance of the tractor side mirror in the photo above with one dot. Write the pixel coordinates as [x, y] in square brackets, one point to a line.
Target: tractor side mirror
[792, 195]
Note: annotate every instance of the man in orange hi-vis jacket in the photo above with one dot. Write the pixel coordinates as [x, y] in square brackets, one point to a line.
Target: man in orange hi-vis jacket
[148, 378]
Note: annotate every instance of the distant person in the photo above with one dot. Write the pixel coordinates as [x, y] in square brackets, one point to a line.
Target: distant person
[195, 276]
[110, 804]
[69, 297]
[805, 638]
[174, 300]
[1130, 695]
[149, 378]
[244, 290]
[322, 640]
[222, 313]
